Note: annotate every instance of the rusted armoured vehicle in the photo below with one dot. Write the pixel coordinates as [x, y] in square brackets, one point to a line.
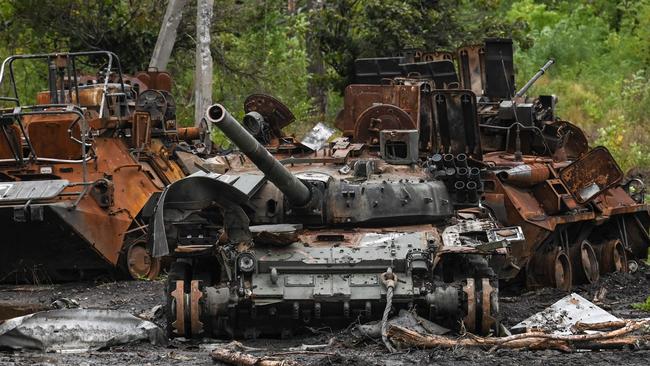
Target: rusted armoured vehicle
[78, 165]
[304, 233]
[575, 208]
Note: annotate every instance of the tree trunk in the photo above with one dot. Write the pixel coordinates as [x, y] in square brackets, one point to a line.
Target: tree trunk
[316, 67]
[203, 66]
[167, 34]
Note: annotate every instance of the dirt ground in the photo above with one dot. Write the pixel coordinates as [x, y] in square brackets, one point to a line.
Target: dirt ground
[620, 292]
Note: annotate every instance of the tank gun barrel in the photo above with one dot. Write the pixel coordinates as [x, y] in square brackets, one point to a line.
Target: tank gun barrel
[532, 81]
[296, 191]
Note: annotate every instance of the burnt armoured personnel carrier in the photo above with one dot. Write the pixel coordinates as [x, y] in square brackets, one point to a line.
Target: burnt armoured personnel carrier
[78, 165]
[573, 201]
[329, 236]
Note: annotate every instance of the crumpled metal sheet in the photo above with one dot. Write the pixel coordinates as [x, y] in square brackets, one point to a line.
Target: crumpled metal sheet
[562, 315]
[77, 330]
[317, 137]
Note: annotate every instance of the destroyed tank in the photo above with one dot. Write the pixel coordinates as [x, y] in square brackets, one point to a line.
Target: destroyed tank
[581, 217]
[290, 234]
[78, 166]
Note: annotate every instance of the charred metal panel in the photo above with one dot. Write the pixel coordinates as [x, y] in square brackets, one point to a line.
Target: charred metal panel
[499, 68]
[374, 70]
[592, 174]
[471, 64]
[31, 190]
[456, 122]
[443, 73]
[358, 98]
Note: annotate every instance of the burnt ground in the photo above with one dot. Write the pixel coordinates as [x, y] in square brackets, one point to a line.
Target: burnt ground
[620, 292]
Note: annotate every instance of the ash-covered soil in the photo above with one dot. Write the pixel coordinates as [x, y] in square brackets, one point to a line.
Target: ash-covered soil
[615, 293]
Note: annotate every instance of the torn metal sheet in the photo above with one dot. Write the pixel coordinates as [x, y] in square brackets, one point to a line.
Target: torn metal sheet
[277, 234]
[405, 319]
[77, 330]
[565, 313]
[317, 137]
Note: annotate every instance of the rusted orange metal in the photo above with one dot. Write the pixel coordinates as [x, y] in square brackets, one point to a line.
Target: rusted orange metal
[78, 138]
[359, 98]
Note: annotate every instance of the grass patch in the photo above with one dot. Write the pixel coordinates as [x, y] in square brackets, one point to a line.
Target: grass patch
[645, 306]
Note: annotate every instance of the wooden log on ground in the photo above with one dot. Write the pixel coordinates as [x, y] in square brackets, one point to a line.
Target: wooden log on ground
[532, 340]
[237, 358]
[600, 326]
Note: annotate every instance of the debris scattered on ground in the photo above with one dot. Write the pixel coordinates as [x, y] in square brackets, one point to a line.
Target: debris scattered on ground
[569, 324]
[64, 303]
[404, 319]
[313, 347]
[138, 297]
[536, 340]
[155, 313]
[77, 330]
[244, 359]
[560, 317]
[235, 353]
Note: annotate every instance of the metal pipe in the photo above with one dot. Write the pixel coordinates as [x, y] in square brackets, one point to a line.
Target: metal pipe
[461, 172]
[532, 81]
[525, 175]
[461, 193]
[448, 160]
[296, 191]
[475, 174]
[461, 160]
[472, 191]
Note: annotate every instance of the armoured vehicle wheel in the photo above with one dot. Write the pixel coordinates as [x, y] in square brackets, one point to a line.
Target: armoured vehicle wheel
[140, 263]
[550, 268]
[179, 274]
[585, 263]
[562, 272]
[611, 256]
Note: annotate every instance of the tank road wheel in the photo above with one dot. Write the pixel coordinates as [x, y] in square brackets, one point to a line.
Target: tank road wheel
[140, 263]
[562, 272]
[470, 313]
[611, 256]
[489, 307]
[184, 302]
[550, 268]
[482, 306]
[584, 263]
[179, 274]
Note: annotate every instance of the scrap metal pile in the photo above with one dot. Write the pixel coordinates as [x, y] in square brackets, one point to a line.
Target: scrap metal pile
[491, 184]
[444, 184]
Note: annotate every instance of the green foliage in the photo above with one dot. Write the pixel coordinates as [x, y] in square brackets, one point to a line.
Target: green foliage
[600, 76]
[351, 29]
[601, 47]
[645, 306]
